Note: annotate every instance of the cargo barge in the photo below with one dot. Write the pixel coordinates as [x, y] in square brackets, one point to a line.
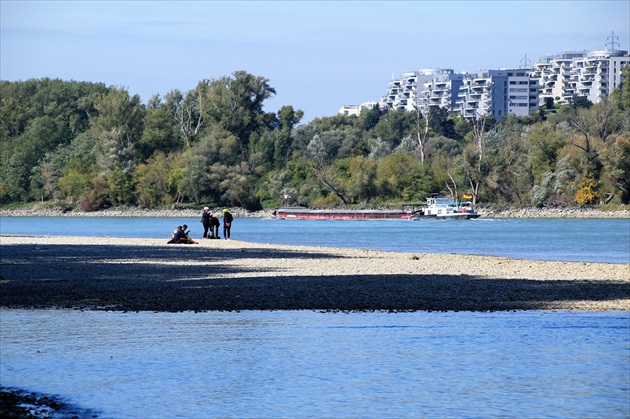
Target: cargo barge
[435, 207]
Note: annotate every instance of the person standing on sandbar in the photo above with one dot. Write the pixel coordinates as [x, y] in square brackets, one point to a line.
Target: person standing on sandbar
[227, 223]
[205, 221]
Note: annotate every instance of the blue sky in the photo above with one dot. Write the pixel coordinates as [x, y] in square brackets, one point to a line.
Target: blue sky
[318, 55]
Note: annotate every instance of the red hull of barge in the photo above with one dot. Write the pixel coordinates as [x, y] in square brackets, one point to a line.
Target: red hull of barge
[300, 213]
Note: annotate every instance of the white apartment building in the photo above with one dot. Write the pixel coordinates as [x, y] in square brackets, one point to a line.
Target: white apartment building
[491, 92]
[403, 92]
[593, 74]
[356, 109]
[518, 92]
[498, 93]
[441, 91]
[554, 74]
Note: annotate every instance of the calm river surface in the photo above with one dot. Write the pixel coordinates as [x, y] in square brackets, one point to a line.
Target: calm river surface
[585, 240]
[310, 364]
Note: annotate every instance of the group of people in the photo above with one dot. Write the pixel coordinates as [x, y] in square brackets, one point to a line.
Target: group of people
[210, 224]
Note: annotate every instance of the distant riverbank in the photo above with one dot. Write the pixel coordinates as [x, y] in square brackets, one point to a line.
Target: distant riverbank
[566, 212]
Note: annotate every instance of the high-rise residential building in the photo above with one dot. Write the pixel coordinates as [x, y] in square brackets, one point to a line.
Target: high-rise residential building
[498, 93]
[555, 74]
[592, 74]
[491, 92]
[441, 91]
[403, 91]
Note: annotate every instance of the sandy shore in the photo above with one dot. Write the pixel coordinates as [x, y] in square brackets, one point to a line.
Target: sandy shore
[148, 274]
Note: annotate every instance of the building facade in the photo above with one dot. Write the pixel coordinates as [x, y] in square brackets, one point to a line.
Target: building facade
[441, 91]
[498, 93]
[405, 92]
[356, 109]
[592, 75]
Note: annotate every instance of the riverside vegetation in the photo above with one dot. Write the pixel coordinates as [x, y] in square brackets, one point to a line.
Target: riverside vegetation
[88, 147]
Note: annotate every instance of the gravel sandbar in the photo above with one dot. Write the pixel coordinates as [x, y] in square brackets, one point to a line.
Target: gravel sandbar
[102, 273]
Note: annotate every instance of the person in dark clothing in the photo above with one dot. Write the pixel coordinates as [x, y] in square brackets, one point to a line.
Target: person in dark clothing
[184, 237]
[227, 223]
[205, 220]
[177, 234]
[181, 236]
[214, 227]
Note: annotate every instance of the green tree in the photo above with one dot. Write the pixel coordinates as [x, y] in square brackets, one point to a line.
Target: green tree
[236, 104]
[617, 165]
[441, 124]
[118, 127]
[336, 122]
[159, 133]
[545, 142]
[359, 175]
[370, 117]
[583, 122]
[396, 176]
[151, 181]
[393, 127]
[75, 181]
[187, 111]
[324, 172]
[580, 102]
[289, 117]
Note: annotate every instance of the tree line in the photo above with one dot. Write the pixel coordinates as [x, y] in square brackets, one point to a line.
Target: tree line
[90, 146]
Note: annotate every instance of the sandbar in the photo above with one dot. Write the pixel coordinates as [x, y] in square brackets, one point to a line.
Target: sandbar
[130, 274]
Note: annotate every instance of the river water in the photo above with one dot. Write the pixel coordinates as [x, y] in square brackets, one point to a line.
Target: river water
[282, 364]
[310, 364]
[585, 240]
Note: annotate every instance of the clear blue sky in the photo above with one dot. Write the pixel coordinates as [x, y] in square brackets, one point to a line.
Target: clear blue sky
[318, 55]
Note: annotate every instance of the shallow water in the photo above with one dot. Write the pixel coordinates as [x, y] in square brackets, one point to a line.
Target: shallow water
[584, 240]
[310, 364]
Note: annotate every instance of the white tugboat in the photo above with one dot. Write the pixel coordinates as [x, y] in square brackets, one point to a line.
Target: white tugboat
[446, 208]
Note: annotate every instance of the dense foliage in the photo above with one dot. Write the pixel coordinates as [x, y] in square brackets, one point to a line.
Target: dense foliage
[87, 145]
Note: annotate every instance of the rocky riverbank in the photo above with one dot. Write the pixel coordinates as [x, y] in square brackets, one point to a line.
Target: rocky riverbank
[147, 274]
[565, 212]
[127, 212]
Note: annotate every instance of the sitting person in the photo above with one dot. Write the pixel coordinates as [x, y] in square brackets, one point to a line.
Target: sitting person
[185, 238]
[177, 234]
[181, 236]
